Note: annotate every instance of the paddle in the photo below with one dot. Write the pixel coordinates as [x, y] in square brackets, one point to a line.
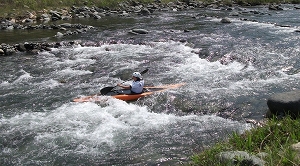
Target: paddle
[105, 90]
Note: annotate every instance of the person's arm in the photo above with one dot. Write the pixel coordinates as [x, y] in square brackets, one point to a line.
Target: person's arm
[124, 86]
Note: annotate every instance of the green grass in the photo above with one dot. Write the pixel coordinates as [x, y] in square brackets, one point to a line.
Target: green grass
[41, 4]
[20, 7]
[274, 138]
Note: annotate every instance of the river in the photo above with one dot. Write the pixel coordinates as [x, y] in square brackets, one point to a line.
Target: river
[229, 69]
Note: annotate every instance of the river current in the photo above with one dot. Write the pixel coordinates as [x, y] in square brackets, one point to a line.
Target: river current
[229, 69]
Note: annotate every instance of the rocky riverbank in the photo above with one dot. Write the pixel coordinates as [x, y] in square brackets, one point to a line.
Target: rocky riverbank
[46, 20]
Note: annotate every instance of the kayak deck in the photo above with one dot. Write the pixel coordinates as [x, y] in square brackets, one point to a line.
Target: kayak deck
[126, 95]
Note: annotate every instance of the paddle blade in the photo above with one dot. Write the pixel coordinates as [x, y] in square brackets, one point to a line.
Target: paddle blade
[145, 71]
[105, 90]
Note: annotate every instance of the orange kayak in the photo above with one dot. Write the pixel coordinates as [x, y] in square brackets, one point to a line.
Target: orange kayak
[128, 97]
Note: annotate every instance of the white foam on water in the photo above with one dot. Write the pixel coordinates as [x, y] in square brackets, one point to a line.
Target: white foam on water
[215, 78]
[5, 83]
[181, 64]
[105, 126]
[23, 78]
[48, 84]
[70, 57]
[271, 28]
[72, 72]
[74, 62]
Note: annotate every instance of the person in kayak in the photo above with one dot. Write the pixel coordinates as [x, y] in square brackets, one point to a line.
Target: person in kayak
[137, 84]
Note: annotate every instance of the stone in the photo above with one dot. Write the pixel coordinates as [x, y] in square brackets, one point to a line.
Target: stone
[1, 52]
[225, 20]
[239, 158]
[20, 47]
[9, 51]
[140, 31]
[59, 35]
[287, 103]
[296, 147]
[10, 27]
[66, 25]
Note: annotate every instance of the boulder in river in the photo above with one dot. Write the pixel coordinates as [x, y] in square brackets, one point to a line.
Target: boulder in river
[225, 20]
[287, 103]
[274, 7]
[138, 31]
[1, 52]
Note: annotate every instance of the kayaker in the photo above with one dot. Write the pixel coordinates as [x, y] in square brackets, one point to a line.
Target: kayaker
[137, 84]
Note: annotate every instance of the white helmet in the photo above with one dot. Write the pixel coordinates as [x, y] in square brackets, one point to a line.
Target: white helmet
[137, 74]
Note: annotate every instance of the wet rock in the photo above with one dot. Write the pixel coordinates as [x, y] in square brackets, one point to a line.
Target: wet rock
[33, 48]
[226, 59]
[124, 14]
[96, 16]
[34, 51]
[145, 12]
[11, 27]
[66, 25]
[46, 48]
[20, 47]
[59, 35]
[133, 33]
[225, 20]
[29, 46]
[31, 15]
[234, 14]
[69, 33]
[5, 49]
[45, 16]
[275, 7]
[63, 29]
[140, 31]
[55, 15]
[9, 51]
[280, 25]
[287, 103]
[1, 52]
[27, 20]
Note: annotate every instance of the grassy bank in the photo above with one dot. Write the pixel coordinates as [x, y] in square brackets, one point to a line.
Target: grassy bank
[18, 7]
[275, 139]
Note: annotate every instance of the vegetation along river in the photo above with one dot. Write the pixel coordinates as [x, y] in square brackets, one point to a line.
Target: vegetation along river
[230, 69]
